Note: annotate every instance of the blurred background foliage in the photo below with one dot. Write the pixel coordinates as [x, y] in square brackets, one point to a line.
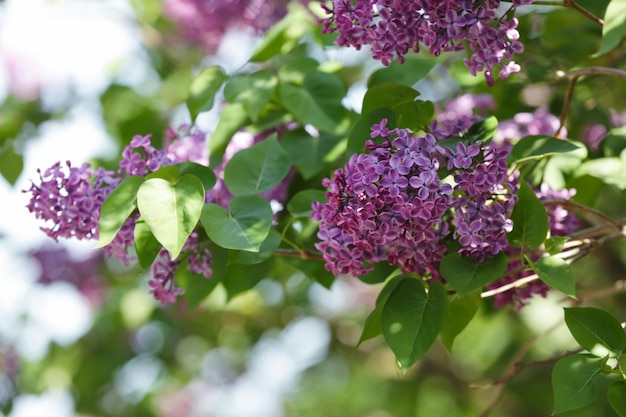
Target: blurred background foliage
[287, 346]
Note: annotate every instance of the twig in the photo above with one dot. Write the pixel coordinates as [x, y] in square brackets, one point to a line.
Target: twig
[586, 209]
[574, 75]
[572, 4]
[516, 366]
[618, 287]
[302, 254]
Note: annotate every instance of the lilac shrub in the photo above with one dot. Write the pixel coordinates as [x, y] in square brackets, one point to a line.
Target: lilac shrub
[394, 28]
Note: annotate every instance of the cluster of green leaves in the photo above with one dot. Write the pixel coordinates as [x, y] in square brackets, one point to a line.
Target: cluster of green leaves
[580, 379]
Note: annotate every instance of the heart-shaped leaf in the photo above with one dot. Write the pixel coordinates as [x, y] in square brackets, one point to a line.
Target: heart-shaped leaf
[411, 319]
[171, 210]
[244, 228]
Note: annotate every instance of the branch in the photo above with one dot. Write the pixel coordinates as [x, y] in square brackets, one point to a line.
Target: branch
[572, 5]
[516, 366]
[574, 75]
[302, 254]
[574, 251]
[581, 207]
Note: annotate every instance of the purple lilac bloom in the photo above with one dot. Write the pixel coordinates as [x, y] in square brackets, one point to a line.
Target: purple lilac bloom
[539, 122]
[459, 113]
[204, 22]
[394, 28]
[390, 204]
[68, 198]
[386, 205]
[163, 284]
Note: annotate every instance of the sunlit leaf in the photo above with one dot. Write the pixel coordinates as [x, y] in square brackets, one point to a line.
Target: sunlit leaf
[171, 210]
[556, 273]
[412, 319]
[596, 330]
[203, 89]
[116, 208]
[576, 382]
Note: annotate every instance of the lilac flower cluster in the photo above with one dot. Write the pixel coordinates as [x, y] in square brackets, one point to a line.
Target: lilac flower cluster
[486, 197]
[459, 113]
[539, 122]
[68, 198]
[204, 22]
[390, 204]
[594, 134]
[71, 199]
[393, 28]
[561, 222]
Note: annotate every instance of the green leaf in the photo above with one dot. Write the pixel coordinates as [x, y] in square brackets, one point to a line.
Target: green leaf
[171, 210]
[373, 326]
[362, 129]
[244, 228]
[296, 70]
[284, 35]
[257, 168]
[173, 172]
[300, 204]
[203, 89]
[556, 273]
[614, 27]
[267, 249]
[11, 163]
[596, 330]
[233, 117]
[482, 130]
[466, 275]
[116, 208]
[461, 310]
[304, 107]
[537, 147]
[204, 173]
[575, 382]
[312, 268]
[240, 278]
[611, 170]
[617, 397]
[415, 115]
[389, 95]
[555, 244]
[254, 91]
[411, 320]
[328, 91]
[530, 220]
[196, 287]
[307, 152]
[411, 71]
[146, 245]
